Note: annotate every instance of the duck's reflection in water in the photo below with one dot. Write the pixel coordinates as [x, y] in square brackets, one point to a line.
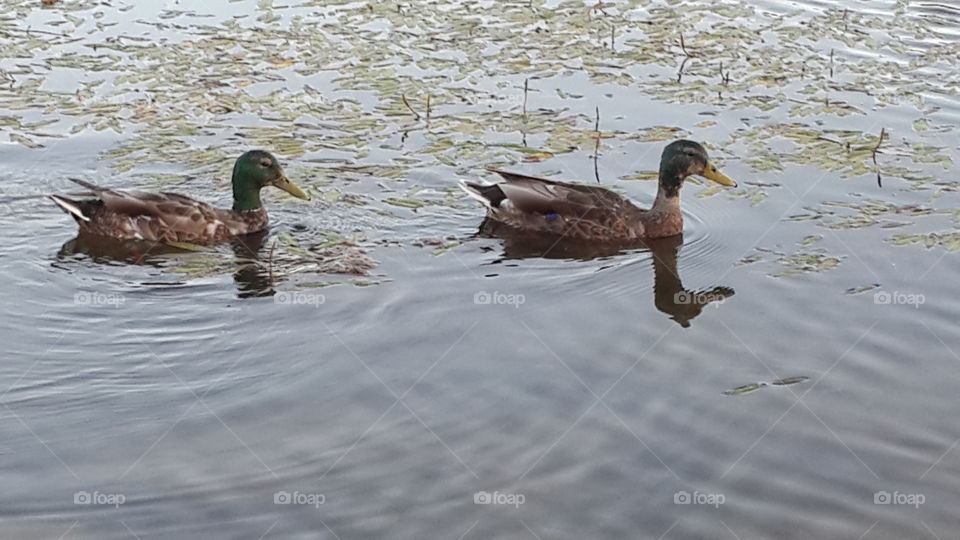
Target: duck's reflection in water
[106, 250]
[669, 295]
[253, 275]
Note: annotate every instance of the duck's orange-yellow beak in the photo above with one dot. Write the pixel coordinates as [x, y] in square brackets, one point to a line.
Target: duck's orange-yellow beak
[285, 184]
[711, 172]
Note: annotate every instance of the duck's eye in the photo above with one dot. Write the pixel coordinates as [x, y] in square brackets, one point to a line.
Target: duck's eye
[265, 163]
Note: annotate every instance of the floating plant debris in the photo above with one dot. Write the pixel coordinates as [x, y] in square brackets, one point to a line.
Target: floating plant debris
[752, 387]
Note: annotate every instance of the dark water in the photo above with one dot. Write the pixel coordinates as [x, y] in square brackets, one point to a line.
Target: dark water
[227, 395]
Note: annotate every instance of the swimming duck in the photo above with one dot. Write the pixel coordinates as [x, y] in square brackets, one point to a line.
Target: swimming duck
[178, 220]
[579, 212]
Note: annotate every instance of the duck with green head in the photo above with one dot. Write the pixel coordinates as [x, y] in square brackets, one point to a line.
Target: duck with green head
[176, 219]
[532, 205]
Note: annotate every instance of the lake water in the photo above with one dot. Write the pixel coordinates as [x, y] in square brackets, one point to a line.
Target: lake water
[469, 386]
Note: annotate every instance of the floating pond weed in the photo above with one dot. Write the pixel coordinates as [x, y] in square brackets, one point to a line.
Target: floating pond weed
[323, 84]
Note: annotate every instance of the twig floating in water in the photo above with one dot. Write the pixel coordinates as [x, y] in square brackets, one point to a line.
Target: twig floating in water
[270, 261]
[29, 31]
[596, 148]
[407, 103]
[523, 130]
[683, 46]
[822, 138]
[428, 108]
[883, 131]
[599, 6]
[526, 84]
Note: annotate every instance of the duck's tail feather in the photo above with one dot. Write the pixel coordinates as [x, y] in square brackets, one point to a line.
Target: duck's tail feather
[93, 188]
[489, 194]
[70, 206]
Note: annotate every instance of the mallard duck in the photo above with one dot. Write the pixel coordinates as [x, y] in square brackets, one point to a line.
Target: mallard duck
[175, 219]
[579, 212]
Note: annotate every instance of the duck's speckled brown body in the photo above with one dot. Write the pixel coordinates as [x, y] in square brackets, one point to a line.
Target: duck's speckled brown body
[546, 207]
[173, 218]
[162, 217]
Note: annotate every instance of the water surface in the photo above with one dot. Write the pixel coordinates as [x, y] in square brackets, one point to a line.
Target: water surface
[185, 392]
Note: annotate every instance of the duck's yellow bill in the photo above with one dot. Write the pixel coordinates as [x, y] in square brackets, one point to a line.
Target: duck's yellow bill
[285, 184]
[710, 172]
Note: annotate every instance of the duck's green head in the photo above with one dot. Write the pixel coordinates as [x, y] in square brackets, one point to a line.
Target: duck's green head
[682, 158]
[254, 170]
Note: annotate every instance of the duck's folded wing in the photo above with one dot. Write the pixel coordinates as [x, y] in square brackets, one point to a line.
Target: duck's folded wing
[158, 215]
[164, 206]
[531, 194]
